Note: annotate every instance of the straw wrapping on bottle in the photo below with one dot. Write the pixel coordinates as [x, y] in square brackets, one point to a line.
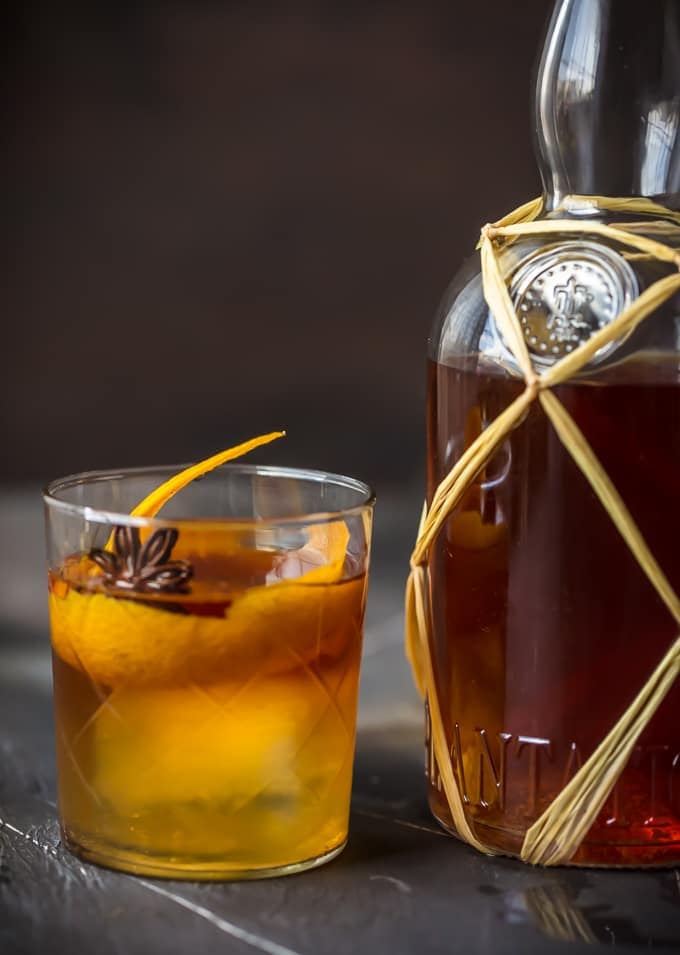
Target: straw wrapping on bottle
[555, 837]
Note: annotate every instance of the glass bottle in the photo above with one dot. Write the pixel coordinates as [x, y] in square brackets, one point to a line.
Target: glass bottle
[544, 628]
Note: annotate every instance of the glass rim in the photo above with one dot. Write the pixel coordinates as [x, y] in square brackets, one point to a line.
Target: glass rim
[104, 516]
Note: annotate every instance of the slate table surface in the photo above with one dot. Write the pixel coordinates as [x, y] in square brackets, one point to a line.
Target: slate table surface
[401, 885]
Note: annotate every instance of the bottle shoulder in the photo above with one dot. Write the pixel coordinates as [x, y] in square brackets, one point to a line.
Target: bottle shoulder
[565, 286]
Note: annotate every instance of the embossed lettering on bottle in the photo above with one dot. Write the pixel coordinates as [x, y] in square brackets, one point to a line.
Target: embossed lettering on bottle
[536, 770]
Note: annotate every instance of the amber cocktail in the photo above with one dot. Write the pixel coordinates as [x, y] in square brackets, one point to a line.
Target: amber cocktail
[206, 668]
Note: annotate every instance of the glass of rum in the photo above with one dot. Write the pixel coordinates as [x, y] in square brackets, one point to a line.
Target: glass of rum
[206, 667]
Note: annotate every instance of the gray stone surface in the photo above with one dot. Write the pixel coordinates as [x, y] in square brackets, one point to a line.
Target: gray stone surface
[401, 886]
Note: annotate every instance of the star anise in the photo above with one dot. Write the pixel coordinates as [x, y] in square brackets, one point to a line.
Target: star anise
[143, 569]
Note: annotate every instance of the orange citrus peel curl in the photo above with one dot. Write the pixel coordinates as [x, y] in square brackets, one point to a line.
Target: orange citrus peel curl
[125, 642]
[153, 502]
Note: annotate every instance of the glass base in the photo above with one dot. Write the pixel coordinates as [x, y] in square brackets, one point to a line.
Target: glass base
[138, 863]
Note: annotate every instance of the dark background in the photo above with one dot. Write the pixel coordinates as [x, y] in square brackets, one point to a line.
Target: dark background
[226, 218]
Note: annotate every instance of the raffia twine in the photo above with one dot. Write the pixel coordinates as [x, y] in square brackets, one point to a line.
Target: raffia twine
[559, 831]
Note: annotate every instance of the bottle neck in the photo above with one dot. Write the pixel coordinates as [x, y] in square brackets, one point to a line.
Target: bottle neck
[608, 100]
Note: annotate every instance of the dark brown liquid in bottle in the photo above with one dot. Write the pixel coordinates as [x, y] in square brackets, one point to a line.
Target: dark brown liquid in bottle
[544, 626]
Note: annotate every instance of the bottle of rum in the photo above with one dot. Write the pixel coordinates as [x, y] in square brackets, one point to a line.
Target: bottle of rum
[544, 627]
